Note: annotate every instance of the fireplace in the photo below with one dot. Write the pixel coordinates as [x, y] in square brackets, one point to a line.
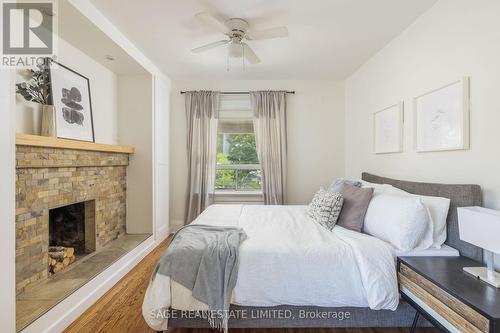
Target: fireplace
[50, 178]
[71, 234]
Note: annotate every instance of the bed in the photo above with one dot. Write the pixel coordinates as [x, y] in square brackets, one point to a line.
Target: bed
[293, 275]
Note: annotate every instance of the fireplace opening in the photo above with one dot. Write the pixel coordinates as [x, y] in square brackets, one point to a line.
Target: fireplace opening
[71, 234]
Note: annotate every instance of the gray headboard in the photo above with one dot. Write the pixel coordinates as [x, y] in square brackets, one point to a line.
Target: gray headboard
[460, 196]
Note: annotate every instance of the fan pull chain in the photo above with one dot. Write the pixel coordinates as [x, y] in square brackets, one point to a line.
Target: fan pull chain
[227, 63]
[243, 58]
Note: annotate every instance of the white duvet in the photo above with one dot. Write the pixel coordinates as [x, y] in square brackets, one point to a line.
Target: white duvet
[289, 259]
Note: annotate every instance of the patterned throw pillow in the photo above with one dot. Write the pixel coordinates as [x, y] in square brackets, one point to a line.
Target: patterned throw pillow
[325, 208]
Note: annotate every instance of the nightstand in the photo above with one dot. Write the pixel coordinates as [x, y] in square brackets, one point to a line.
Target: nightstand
[444, 294]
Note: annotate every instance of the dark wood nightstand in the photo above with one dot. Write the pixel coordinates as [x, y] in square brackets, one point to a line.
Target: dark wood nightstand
[444, 294]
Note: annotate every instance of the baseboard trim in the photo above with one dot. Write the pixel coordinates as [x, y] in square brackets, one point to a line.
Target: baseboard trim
[68, 310]
[162, 234]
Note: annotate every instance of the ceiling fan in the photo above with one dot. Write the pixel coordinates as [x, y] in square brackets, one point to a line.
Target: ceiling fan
[237, 32]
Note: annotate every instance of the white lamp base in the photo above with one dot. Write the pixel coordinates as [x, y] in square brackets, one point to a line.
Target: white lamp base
[484, 274]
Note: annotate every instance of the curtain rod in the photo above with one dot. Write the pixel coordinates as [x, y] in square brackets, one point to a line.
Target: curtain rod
[239, 92]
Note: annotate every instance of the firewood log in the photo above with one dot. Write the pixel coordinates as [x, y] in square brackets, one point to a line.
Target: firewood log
[69, 251]
[58, 267]
[56, 248]
[65, 262]
[57, 254]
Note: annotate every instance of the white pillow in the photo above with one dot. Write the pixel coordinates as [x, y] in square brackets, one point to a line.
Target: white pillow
[403, 221]
[377, 188]
[438, 209]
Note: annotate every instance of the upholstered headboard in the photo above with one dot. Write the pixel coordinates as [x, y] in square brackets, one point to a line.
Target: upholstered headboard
[460, 196]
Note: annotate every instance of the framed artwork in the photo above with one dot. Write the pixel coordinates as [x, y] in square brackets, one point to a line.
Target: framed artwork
[70, 92]
[388, 129]
[442, 118]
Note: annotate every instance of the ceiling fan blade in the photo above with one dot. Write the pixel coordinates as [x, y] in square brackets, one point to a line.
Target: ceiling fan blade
[212, 21]
[250, 54]
[209, 46]
[276, 32]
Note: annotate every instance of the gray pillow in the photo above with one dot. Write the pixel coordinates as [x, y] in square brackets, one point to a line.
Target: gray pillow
[356, 201]
[325, 208]
[335, 186]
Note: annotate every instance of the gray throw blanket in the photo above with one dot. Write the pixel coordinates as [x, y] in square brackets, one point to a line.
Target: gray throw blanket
[204, 259]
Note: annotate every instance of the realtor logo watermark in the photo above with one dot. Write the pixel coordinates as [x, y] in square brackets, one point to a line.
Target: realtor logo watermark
[28, 32]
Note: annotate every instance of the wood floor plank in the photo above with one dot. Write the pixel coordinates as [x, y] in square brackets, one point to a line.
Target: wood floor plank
[119, 310]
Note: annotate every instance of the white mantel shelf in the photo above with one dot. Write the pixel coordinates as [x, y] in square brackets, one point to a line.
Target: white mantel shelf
[50, 142]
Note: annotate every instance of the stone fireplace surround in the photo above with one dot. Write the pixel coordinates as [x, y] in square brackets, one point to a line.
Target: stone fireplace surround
[49, 177]
[73, 226]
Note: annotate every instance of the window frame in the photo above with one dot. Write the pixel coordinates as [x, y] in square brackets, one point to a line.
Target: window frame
[237, 167]
[236, 107]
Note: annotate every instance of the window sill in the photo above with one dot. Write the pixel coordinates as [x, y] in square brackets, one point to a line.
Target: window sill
[237, 193]
[238, 197]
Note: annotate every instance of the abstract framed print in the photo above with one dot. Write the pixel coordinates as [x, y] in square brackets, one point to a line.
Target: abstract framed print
[442, 118]
[70, 92]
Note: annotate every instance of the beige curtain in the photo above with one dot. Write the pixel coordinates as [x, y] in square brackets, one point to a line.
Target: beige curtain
[270, 133]
[202, 108]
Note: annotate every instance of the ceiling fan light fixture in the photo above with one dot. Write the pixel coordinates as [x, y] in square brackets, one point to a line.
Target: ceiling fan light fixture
[237, 33]
[235, 50]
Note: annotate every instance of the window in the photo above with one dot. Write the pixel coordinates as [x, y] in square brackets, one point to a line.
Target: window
[238, 167]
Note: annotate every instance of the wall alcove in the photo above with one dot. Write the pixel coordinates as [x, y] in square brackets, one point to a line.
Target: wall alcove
[117, 180]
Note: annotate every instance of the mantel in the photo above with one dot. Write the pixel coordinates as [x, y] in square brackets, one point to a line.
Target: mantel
[50, 142]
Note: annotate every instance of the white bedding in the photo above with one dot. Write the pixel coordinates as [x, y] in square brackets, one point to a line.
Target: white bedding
[444, 251]
[289, 259]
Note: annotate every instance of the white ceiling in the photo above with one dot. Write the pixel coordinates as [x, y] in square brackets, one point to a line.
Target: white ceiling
[328, 39]
[83, 34]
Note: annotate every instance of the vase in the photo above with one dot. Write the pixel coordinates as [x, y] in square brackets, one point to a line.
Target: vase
[48, 121]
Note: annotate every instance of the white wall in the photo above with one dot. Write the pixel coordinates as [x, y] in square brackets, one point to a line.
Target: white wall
[455, 38]
[103, 92]
[161, 162]
[7, 202]
[135, 121]
[315, 128]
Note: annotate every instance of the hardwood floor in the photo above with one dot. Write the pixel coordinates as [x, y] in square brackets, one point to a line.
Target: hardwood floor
[35, 300]
[119, 310]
